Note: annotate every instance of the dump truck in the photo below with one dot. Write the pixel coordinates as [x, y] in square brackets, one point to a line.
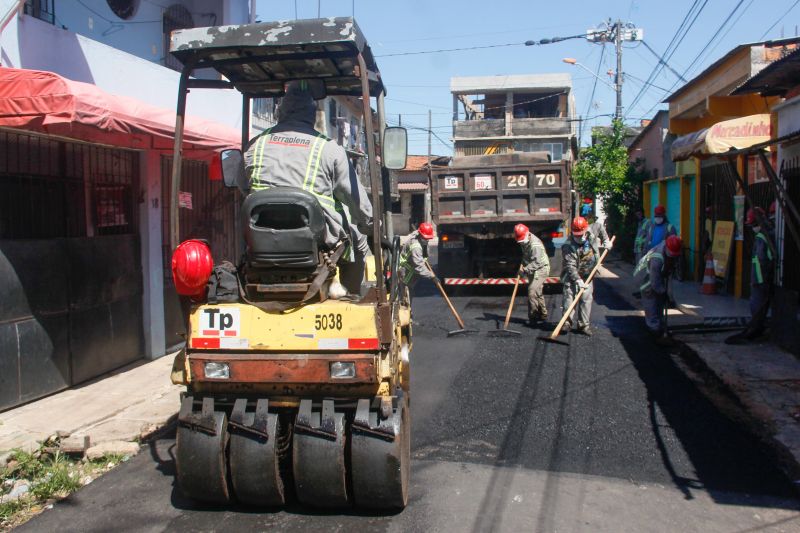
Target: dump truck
[478, 200]
[514, 140]
[289, 391]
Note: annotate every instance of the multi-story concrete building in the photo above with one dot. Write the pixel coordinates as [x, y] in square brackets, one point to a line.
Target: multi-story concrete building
[517, 113]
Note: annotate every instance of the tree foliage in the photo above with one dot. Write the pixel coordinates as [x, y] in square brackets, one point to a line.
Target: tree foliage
[603, 171]
[602, 168]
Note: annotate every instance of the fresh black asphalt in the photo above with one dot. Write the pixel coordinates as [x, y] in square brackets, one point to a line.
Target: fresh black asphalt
[612, 405]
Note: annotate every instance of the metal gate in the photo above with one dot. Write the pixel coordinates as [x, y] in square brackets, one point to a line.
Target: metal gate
[791, 253]
[70, 268]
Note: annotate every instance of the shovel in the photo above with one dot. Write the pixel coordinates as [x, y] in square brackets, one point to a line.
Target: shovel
[463, 330]
[505, 331]
[554, 336]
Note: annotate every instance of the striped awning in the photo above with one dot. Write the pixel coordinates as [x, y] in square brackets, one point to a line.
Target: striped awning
[412, 187]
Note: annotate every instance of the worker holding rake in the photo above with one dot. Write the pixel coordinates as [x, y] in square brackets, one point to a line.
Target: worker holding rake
[536, 265]
[580, 256]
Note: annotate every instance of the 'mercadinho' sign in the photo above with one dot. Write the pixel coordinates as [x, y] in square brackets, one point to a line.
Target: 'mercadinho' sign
[737, 133]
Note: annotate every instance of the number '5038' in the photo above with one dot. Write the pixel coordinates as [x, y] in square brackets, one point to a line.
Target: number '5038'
[329, 321]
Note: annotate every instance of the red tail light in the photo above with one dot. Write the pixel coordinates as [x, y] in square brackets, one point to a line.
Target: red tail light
[445, 238]
[556, 235]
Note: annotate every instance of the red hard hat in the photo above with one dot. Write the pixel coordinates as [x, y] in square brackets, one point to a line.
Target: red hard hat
[674, 246]
[191, 267]
[772, 207]
[660, 211]
[579, 226]
[754, 216]
[521, 232]
[426, 230]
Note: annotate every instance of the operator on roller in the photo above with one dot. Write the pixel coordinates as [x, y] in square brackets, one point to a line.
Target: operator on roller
[412, 257]
[294, 154]
[535, 265]
[655, 270]
[580, 255]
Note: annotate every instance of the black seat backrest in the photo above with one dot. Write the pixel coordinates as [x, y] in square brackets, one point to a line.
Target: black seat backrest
[284, 227]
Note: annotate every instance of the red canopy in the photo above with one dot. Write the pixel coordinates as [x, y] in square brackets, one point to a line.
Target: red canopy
[47, 103]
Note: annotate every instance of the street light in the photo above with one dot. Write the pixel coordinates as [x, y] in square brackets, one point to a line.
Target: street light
[573, 61]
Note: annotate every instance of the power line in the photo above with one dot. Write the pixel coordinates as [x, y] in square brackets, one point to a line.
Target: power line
[644, 83]
[733, 25]
[450, 50]
[594, 87]
[677, 39]
[778, 20]
[661, 60]
[710, 41]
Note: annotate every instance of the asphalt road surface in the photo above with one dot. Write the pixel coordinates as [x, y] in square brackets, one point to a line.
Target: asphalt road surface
[513, 434]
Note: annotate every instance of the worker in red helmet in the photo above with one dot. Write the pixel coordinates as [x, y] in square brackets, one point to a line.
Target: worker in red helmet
[536, 265]
[653, 273]
[761, 270]
[412, 256]
[657, 230]
[580, 255]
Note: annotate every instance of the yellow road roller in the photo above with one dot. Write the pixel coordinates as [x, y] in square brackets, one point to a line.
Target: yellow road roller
[293, 389]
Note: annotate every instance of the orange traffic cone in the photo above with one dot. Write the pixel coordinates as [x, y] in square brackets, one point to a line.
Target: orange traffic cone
[709, 280]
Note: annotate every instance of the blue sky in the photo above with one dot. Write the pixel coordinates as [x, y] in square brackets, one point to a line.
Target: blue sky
[417, 83]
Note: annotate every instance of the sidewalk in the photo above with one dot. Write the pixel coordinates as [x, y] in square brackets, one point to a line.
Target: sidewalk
[764, 378]
[123, 406]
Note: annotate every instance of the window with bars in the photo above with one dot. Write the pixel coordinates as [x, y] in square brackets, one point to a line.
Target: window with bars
[52, 188]
[41, 9]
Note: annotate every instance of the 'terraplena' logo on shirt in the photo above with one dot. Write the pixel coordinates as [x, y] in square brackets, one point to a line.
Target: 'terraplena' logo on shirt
[289, 141]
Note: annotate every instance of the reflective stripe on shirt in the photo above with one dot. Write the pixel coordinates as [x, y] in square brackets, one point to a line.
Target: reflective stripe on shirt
[312, 169]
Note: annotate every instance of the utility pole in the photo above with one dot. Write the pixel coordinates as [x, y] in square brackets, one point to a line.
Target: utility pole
[618, 84]
[621, 32]
[430, 131]
[427, 202]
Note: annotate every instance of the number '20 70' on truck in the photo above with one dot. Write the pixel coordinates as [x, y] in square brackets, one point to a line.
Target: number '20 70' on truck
[478, 200]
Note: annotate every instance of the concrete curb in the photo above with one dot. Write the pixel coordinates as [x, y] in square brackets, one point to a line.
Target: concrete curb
[131, 404]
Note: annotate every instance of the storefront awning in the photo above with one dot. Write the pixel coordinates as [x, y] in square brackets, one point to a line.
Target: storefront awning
[48, 103]
[733, 134]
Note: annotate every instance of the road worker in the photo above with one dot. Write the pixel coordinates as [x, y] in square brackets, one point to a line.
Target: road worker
[536, 265]
[638, 242]
[294, 154]
[654, 271]
[761, 270]
[413, 253]
[598, 230]
[580, 255]
[657, 230]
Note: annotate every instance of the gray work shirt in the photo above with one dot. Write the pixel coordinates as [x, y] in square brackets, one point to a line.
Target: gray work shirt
[293, 154]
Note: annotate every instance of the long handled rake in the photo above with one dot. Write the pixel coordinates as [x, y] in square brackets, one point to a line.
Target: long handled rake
[463, 330]
[505, 331]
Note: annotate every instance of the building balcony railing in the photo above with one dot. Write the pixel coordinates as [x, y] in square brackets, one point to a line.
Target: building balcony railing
[476, 129]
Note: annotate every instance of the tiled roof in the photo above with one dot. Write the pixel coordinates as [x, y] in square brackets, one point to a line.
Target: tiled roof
[415, 163]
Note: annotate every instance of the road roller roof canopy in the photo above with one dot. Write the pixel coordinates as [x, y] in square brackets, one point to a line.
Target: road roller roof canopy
[259, 59]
